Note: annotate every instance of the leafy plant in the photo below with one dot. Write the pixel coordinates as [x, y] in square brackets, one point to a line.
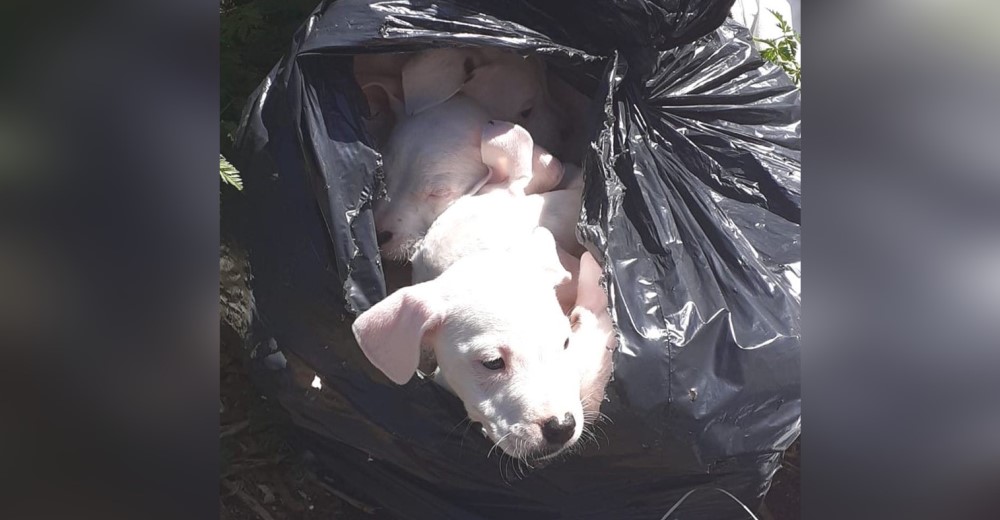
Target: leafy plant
[253, 36]
[781, 51]
[229, 174]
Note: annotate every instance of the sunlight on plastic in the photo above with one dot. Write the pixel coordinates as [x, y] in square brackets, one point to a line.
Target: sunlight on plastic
[730, 495]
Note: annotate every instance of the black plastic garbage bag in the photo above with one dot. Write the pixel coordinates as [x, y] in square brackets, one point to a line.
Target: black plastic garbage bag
[691, 199]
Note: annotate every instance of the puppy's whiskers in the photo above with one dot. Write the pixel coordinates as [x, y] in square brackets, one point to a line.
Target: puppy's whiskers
[497, 444]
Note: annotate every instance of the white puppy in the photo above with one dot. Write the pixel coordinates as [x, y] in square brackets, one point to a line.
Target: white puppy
[437, 156]
[430, 160]
[484, 307]
[499, 337]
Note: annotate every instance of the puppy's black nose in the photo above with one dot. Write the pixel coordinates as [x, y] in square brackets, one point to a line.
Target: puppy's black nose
[383, 237]
[558, 432]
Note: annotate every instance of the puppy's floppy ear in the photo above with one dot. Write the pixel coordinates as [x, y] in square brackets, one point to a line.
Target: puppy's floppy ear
[546, 172]
[511, 154]
[506, 150]
[384, 96]
[384, 107]
[378, 75]
[391, 332]
[431, 77]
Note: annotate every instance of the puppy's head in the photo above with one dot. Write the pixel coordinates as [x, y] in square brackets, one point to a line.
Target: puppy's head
[500, 340]
[431, 159]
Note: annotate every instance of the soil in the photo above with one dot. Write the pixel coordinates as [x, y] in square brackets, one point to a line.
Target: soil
[262, 477]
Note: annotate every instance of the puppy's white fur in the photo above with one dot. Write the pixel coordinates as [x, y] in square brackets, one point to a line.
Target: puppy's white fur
[509, 86]
[501, 214]
[490, 283]
[431, 159]
[496, 304]
[445, 152]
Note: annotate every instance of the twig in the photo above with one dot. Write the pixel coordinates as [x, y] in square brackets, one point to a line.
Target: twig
[341, 495]
[234, 429]
[248, 500]
[248, 464]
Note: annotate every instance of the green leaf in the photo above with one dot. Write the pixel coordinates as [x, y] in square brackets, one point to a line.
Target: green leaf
[785, 51]
[229, 174]
[782, 23]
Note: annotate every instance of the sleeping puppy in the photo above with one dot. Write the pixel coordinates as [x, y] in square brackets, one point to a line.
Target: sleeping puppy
[429, 161]
[436, 157]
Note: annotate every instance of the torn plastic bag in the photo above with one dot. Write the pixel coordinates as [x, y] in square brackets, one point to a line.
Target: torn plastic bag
[691, 200]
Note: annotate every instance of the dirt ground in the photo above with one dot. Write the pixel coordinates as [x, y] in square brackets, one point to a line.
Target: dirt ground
[263, 478]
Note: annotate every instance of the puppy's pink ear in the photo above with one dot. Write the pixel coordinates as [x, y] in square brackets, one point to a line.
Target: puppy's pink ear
[546, 172]
[384, 108]
[431, 77]
[512, 155]
[506, 149]
[589, 293]
[384, 96]
[378, 75]
[391, 332]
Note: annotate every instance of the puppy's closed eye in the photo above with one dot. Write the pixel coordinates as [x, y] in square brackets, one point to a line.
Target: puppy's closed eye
[566, 344]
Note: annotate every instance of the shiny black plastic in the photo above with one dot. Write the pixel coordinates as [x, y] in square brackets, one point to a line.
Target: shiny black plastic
[692, 199]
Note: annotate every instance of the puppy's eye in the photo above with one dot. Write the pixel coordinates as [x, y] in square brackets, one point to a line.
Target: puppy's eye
[526, 113]
[566, 344]
[494, 364]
